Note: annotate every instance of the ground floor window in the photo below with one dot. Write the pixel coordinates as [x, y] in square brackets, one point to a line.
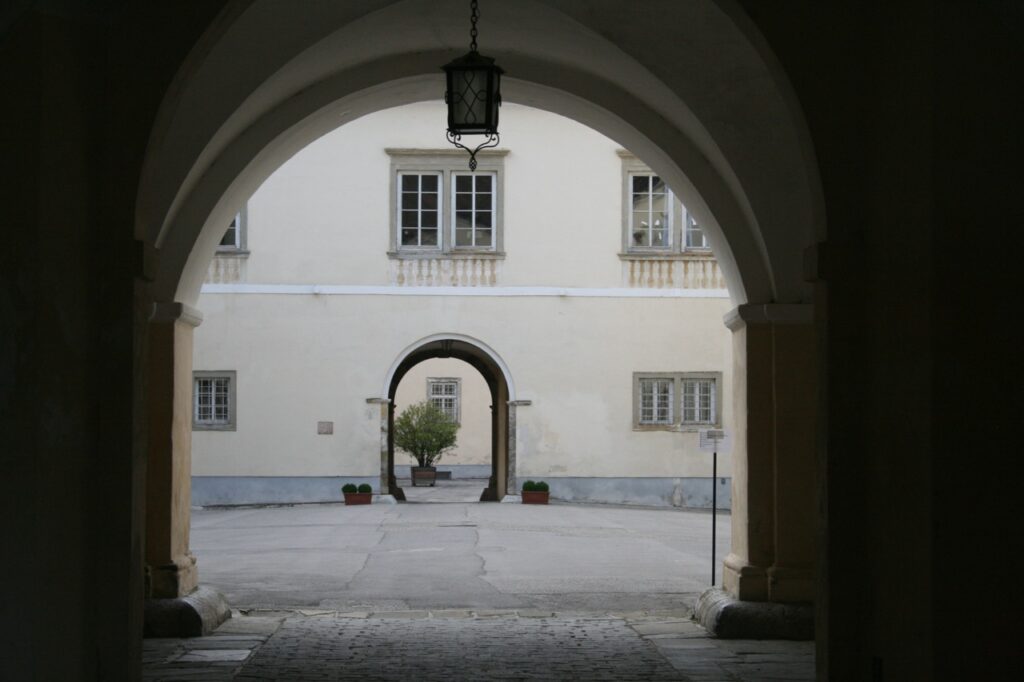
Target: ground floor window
[656, 406]
[444, 393]
[213, 400]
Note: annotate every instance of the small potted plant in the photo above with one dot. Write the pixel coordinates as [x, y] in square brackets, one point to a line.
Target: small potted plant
[361, 494]
[535, 492]
[425, 432]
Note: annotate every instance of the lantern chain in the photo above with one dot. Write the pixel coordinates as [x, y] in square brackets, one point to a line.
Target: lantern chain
[474, 15]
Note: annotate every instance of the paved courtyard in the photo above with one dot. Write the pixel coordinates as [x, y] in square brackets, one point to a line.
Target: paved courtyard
[437, 589]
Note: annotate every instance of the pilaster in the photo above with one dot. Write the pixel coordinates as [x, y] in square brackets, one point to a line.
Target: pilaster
[171, 567]
[774, 511]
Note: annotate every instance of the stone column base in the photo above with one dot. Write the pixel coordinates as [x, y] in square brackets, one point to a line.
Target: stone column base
[743, 580]
[173, 580]
[788, 584]
[728, 618]
[193, 615]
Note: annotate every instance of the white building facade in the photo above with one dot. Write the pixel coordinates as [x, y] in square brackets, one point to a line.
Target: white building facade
[300, 367]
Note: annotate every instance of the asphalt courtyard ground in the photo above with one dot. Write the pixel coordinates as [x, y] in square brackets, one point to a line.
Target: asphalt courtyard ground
[444, 589]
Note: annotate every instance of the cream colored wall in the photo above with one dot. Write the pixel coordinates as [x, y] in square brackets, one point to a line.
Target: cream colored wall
[335, 194]
[474, 440]
[302, 359]
[324, 219]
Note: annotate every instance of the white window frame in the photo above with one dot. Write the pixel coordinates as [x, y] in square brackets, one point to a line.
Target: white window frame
[679, 219]
[213, 424]
[448, 163]
[670, 223]
[240, 247]
[677, 401]
[454, 176]
[399, 209]
[456, 396]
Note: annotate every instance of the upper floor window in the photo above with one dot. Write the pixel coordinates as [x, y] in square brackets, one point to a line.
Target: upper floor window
[444, 393]
[213, 400]
[676, 400]
[440, 209]
[234, 239]
[654, 222]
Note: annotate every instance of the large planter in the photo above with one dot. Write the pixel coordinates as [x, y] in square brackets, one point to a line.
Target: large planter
[423, 475]
[358, 498]
[535, 497]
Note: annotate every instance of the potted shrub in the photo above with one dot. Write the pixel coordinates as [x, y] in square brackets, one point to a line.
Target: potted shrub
[535, 492]
[425, 432]
[361, 494]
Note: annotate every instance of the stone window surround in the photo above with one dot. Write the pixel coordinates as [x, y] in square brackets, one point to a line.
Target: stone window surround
[232, 377]
[458, 393]
[677, 248]
[677, 401]
[447, 162]
[242, 250]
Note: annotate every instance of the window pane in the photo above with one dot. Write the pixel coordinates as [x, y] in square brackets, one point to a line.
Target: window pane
[429, 237]
[229, 237]
[483, 183]
[410, 237]
[657, 185]
[463, 219]
[410, 218]
[429, 218]
[483, 237]
[428, 201]
[464, 237]
[463, 183]
[463, 202]
[483, 202]
[483, 219]
[410, 183]
[429, 183]
[658, 238]
[640, 184]
[641, 202]
[410, 200]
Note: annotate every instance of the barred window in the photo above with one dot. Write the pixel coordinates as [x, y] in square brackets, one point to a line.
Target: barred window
[213, 400]
[656, 401]
[676, 400]
[444, 393]
[698, 401]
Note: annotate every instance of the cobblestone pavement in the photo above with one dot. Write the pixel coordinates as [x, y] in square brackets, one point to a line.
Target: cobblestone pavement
[455, 645]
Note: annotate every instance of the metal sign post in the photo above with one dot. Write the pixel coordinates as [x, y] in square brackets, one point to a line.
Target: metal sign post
[714, 440]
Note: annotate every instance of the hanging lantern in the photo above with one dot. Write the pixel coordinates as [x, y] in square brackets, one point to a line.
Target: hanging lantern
[473, 96]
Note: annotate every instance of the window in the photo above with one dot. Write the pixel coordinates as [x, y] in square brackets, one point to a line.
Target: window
[213, 401]
[234, 239]
[442, 210]
[444, 393]
[655, 223]
[656, 407]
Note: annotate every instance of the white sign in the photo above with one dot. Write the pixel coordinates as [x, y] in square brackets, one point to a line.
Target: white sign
[715, 440]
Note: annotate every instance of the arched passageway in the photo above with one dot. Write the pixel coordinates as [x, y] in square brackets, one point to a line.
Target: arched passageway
[503, 406]
[755, 193]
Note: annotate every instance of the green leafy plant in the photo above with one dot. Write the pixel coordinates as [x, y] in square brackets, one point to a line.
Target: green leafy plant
[529, 486]
[365, 488]
[425, 432]
[349, 488]
[541, 487]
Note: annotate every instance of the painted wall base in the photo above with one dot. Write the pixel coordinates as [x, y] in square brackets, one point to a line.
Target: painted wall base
[209, 491]
[684, 493]
[687, 493]
[458, 471]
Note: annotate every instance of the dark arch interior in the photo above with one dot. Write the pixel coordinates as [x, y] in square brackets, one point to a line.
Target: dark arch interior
[496, 383]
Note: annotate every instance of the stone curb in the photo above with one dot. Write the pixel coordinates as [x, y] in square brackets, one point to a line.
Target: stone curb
[194, 615]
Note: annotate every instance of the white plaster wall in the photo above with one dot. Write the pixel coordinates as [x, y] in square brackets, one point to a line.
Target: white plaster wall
[324, 218]
[562, 210]
[474, 439]
[307, 358]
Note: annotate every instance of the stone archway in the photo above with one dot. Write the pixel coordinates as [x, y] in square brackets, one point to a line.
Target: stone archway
[504, 404]
[740, 158]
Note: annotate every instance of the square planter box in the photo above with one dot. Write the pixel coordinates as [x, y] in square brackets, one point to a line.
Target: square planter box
[535, 497]
[423, 475]
[358, 498]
